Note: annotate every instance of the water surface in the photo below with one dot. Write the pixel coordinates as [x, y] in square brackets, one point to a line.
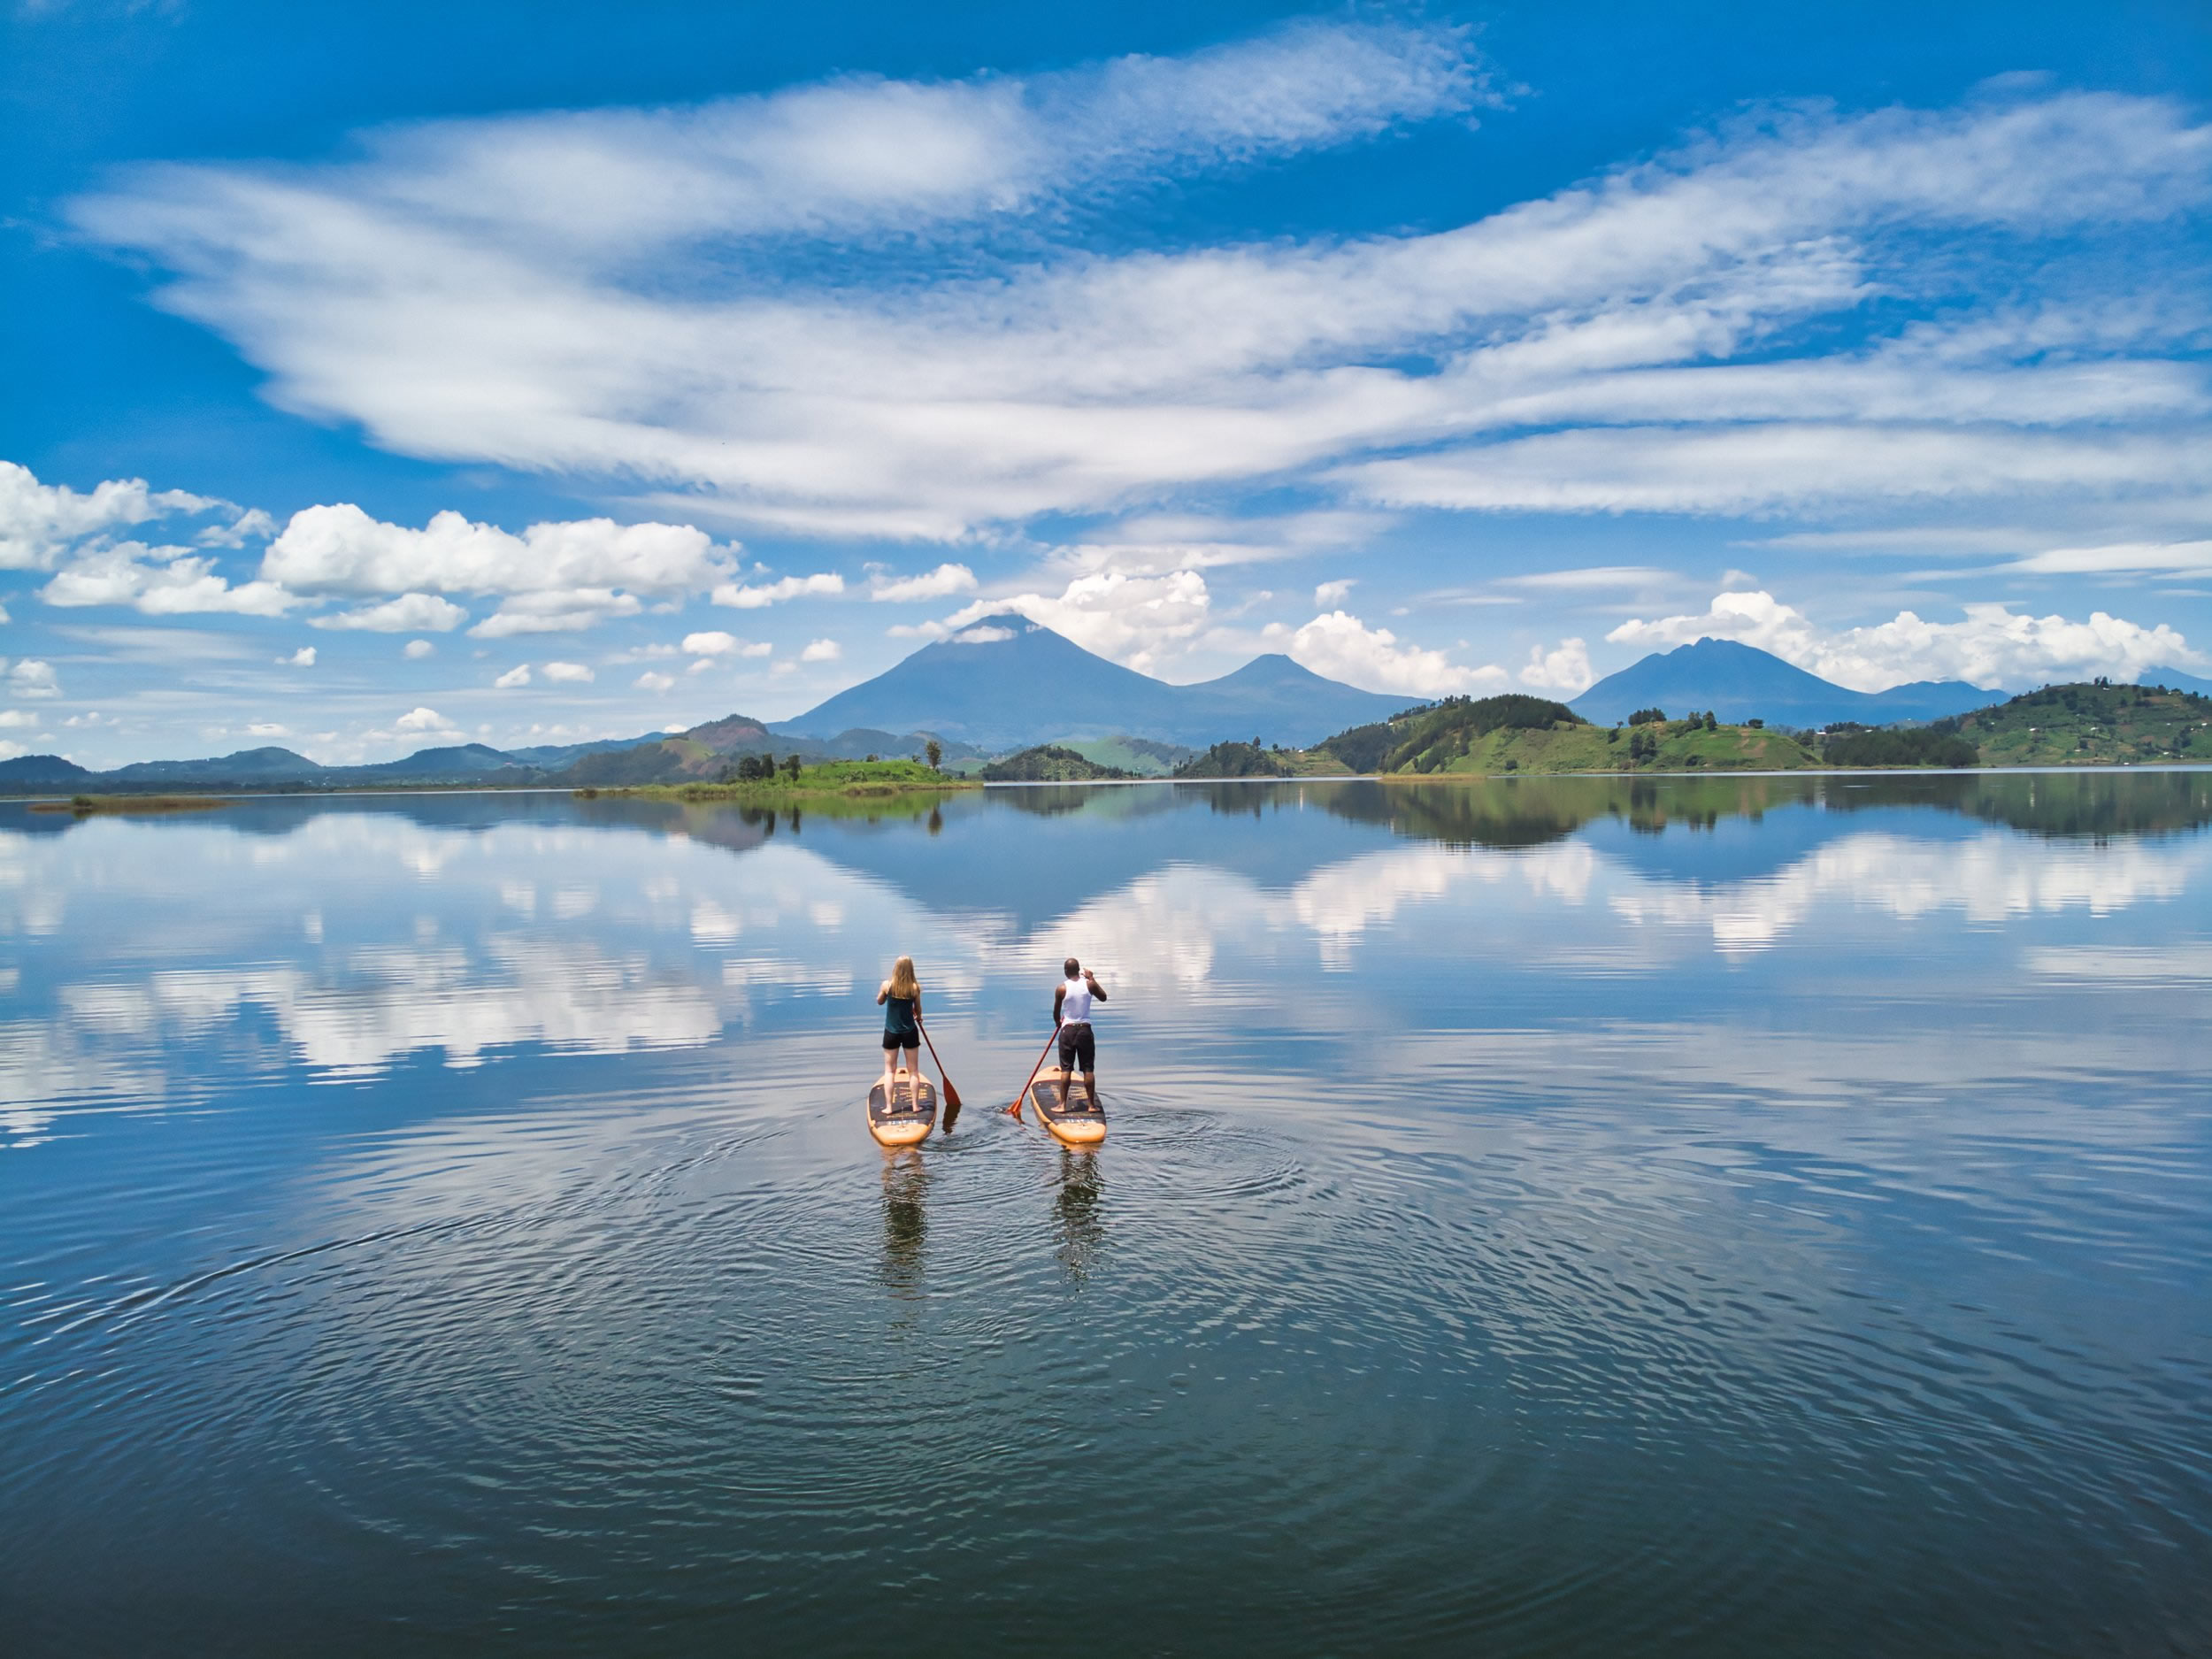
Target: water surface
[1731, 1216]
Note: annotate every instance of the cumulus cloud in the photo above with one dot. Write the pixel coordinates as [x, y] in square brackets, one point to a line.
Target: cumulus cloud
[409, 613]
[1340, 646]
[341, 549]
[756, 598]
[1566, 669]
[32, 679]
[573, 673]
[159, 581]
[1990, 647]
[415, 650]
[717, 644]
[516, 676]
[651, 681]
[1135, 620]
[822, 651]
[1330, 596]
[941, 583]
[1664, 336]
[304, 658]
[422, 719]
[38, 522]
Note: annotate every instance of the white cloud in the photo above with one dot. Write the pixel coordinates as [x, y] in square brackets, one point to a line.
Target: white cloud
[341, 549]
[1992, 647]
[519, 675]
[159, 581]
[822, 651]
[1566, 669]
[982, 636]
[742, 598]
[650, 681]
[252, 524]
[717, 644]
[39, 521]
[2182, 558]
[569, 611]
[415, 650]
[421, 720]
[570, 672]
[465, 290]
[1340, 646]
[1136, 620]
[17, 719]
[1329, 595]
[407, 614]
[937, 584]
[304, 658]
[32, 679]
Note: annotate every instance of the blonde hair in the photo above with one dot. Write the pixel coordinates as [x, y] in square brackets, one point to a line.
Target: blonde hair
[904, 984]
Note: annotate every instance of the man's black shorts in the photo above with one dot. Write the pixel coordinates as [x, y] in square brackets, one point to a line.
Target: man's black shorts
[1078, 1052]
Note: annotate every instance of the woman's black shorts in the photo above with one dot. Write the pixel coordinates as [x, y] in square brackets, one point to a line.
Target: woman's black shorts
[1078, 1050]
[901, 1039]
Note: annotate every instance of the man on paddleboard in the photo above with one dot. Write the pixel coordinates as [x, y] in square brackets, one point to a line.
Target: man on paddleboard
[1071, 1012]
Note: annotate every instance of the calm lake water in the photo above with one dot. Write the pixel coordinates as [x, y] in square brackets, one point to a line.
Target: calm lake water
[1737, 1216]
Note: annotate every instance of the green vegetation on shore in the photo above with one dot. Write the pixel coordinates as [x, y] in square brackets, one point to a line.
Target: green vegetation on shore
[1049, 762]
[96, 805]
[2094, 725]
[834, 777]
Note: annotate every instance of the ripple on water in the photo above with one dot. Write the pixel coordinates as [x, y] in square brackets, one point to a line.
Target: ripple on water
[734, 1365]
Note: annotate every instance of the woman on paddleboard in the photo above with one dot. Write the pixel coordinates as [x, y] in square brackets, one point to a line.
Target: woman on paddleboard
[902, 1000]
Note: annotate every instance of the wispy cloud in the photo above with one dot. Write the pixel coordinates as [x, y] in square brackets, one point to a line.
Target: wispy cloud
[1691, 334]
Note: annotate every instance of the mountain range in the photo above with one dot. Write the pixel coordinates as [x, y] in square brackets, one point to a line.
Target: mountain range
[1010, 683]
[1740, 682]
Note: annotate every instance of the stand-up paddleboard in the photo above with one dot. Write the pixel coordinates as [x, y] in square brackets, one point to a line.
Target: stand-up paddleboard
[907, 1114]
[1080, 1124]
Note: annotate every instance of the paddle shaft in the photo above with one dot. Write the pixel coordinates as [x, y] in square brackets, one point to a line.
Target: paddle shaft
[1015, 1110]
[952, 1094]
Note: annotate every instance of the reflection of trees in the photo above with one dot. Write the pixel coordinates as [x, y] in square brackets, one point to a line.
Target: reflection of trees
[2068, 804]
[1529, 811]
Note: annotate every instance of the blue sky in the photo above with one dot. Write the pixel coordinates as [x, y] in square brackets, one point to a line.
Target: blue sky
[526, 373]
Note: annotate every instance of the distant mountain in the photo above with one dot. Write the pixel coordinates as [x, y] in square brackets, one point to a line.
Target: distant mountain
[2176, 679]
[1740, 682]
[247, 765]
[1010, 683]
[40, 772]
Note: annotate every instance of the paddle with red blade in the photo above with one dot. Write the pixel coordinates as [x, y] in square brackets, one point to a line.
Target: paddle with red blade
[952, 1094]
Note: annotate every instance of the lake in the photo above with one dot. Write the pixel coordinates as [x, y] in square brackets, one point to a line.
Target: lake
[1730, 1215]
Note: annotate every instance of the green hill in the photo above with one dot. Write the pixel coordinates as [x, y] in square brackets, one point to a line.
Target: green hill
[1518, 734]
[1049, 762]
[2095, 724]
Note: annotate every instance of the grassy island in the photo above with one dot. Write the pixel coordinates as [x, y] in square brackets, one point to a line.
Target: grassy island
[98, 805]
[834, 779]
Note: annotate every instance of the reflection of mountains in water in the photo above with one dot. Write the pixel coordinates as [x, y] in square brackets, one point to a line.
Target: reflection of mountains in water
[1507, 812]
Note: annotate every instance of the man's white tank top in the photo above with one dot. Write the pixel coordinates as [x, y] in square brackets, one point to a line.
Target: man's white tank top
[1076, 1008]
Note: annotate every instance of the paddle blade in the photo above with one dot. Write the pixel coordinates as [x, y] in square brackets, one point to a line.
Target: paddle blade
[952, 1109]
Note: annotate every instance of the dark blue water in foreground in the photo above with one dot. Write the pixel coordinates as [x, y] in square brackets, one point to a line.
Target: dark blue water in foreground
[1736, 1217]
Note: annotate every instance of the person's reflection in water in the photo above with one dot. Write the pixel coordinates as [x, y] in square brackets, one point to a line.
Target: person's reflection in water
[936, 821]
[905, 1221]
[1082, 1221]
